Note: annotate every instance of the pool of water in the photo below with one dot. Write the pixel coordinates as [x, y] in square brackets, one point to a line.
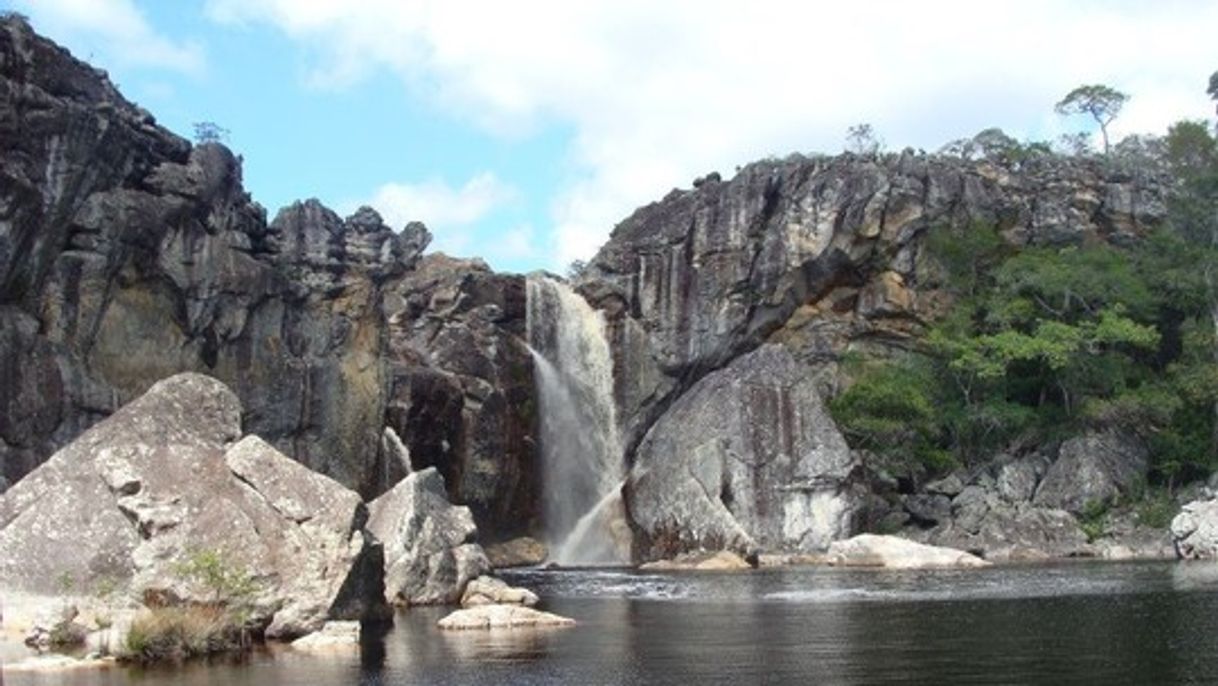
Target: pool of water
[1081, 623]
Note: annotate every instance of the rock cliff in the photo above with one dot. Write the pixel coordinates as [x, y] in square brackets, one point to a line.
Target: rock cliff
[127, 255]
[821, 256]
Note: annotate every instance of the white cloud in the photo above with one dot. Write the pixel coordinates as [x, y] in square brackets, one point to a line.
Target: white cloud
[447, 211]
[659, 92]
[116, 30]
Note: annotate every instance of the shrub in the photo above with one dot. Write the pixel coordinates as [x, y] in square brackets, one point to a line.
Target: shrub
[175, 633]
[1094, 519]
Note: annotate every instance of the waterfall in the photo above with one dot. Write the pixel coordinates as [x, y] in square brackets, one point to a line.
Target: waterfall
[581, 453]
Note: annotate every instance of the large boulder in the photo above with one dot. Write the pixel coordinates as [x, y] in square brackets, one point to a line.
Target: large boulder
[747, 460]
[134, 501]
[430, 548]
[1194, 531]
[1093, 470]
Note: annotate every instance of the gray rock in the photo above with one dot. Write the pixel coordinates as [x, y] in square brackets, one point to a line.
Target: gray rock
[430, 553]
[928, 509]
[986, 525]
[1194, 531]
[1095, 468]
[950, 486]
[747, 460]
[1017, 479]
[163, 480]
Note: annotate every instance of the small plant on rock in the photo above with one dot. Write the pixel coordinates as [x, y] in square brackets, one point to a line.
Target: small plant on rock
[218, 624]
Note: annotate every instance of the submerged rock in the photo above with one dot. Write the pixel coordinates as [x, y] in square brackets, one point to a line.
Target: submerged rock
[892, 552]
[163, 485]
[747, 460]
[430, 553]
[723, 560]
[501, 617]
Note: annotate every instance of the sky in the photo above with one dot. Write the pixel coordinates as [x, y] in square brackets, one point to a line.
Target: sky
[522, 132]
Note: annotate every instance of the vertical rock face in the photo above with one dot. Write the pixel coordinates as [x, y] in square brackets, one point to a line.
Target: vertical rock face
[749, 460]
[127, 255]
[821, 256]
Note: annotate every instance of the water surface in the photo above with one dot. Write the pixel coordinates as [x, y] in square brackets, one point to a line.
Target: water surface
[1082, 623]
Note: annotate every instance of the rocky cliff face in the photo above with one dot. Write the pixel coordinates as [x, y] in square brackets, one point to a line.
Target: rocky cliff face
[822, 255]
[127, 255]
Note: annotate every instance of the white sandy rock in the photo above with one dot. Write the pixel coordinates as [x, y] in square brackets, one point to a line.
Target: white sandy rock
[487, 590]
[331, 636]
[892, 552]
[501, 617]
[718, 561]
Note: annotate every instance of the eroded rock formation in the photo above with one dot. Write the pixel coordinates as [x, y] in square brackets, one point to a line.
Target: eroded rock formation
[128, 255]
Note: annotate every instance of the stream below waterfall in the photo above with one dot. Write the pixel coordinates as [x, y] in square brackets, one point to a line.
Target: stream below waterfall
[1078, 623]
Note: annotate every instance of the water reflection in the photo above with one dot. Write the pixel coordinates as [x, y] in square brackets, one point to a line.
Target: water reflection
[1064, 624]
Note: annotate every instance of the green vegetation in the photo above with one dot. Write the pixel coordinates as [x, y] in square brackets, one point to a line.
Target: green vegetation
[1045, 342]
[220, 624]
[174, 633]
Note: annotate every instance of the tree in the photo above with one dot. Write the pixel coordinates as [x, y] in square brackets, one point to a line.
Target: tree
[1102, 102]
[209, 132]
[861, 140]
[1213, 90]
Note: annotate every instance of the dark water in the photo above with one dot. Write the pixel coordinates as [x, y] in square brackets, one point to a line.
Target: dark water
[1085, 623]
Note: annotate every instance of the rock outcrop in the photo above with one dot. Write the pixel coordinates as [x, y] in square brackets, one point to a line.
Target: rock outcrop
[823, 256]
[1093, 471]
[746, 460]
[1194, 531]
[892, 552]
[430, 553]
[127, 255]
[166, 479]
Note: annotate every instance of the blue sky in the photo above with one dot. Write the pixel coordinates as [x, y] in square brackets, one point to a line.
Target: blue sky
[521, 132]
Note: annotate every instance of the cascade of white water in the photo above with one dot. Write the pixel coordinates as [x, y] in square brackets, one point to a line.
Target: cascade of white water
[582, 461]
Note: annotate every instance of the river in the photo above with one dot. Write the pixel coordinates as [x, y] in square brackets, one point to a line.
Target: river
[1077, 623]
